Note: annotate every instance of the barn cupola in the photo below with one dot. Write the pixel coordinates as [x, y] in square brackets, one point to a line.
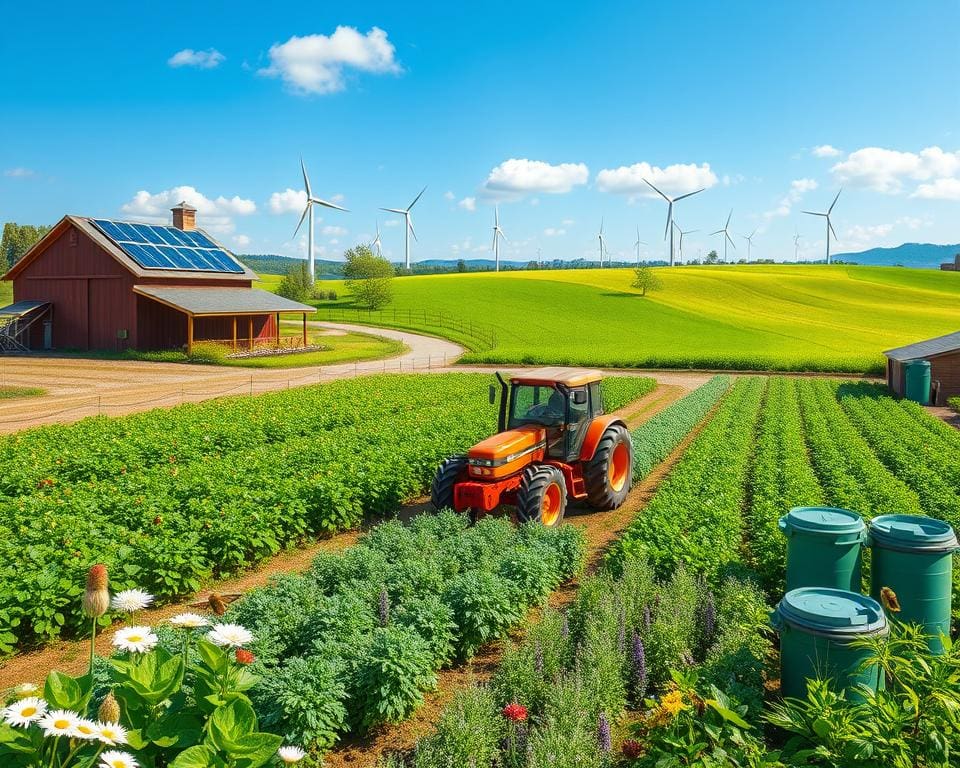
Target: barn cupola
[184, 216]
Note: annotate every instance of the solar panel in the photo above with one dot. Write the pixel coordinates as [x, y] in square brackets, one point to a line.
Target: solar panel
[154, 247]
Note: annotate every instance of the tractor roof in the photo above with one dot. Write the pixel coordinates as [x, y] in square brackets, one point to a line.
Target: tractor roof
[569, 377]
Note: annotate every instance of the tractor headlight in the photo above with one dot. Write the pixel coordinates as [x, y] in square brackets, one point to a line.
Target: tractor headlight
[481, 462]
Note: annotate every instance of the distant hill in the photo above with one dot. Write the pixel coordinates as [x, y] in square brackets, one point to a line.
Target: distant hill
[270, 264]
[917, 255]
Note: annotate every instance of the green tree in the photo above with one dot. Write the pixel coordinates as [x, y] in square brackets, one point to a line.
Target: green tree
[712, 258]
[645, 279]
[368, 277]
[296, 283]
[461, 265]
[17, 239]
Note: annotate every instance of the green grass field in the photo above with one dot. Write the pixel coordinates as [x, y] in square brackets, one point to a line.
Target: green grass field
[782, 317]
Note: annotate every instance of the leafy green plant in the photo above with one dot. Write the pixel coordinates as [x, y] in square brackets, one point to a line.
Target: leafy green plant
[467, 733]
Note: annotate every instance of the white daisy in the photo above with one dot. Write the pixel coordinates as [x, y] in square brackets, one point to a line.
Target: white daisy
[230, 635]
[131, 600]
[86, 729]
[26, 689]
[111, 733]
[25, 711]
[190, 620]
[291, 755]
[60, 722]
[135, 639]
[114, 758]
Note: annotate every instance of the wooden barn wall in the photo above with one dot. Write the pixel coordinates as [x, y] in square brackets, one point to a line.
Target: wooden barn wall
[946, 370]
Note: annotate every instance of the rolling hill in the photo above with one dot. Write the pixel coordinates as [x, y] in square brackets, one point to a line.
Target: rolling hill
[917, 255]
[818, 318]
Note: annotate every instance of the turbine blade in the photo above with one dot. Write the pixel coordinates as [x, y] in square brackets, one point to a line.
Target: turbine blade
[716, 233]
[728, 218]
[830, 224]
[666, 229]
[302, 217]
[657, 191]
[306, 179]
[830, 209]
[731, 241]
[327, 204]
[416, 198]
[395, 210]
[410, 224]
[813, 213]
[689, 194]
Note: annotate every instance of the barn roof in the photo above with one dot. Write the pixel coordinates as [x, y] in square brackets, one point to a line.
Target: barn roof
[119, 252]
[923, 349]
[204, 301]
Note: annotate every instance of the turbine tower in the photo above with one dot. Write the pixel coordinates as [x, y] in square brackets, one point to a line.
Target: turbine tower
[377, 244]
[308, 214]
[670, 202]
[829, 225]
[638, 244]
[726, 236]
[749, 239]
[796, 247]
[680, 244]
[602, 242]
[408, 227]
[497, 236]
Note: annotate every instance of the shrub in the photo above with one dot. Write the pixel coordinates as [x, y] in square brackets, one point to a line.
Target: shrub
[467, 733]
[208, 352]
[566, 738]
[484, 607]
[432, 619]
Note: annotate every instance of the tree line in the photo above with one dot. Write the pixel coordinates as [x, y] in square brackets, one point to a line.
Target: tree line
[17, 239]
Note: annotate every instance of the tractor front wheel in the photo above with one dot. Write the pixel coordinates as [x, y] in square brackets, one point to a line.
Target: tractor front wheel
[609, 474]
[542, 496]
[449, 471]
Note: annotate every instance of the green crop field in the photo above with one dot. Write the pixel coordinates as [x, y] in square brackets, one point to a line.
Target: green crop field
[750, 317]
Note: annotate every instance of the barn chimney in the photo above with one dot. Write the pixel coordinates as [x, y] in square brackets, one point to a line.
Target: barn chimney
[184, 216]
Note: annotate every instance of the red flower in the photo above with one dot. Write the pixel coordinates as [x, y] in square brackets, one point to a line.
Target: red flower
[515, 712]
[632, 749]
[244, 656]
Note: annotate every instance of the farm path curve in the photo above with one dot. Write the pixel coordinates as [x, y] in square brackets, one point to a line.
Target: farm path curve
[81, 387]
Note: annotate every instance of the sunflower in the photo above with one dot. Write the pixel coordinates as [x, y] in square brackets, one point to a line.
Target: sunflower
[25, 711]
[135, 639]
[672, 703]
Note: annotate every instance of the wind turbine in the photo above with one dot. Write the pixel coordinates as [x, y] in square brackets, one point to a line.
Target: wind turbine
[377, 244]
[829, 225]
[796, 247]
[638, 244]
[749, 239]
[308, 213]
[671, 201]
[497, 235]
[680, 244]
[726, 236]
[408, 227]
[602, 242]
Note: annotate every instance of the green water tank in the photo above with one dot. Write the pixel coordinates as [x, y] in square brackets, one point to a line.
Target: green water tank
[917, 373]
[824, 547]
[913, 556]
[817, 627]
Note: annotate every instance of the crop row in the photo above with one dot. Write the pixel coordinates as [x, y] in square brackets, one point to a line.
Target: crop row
[356, 640]
[657, 438]
[168, 525]
[695, 517]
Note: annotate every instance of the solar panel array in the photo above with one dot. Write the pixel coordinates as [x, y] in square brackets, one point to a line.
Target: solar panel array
[154, 247]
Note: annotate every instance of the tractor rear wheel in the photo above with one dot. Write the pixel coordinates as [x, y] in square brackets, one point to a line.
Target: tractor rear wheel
[449, 471]
[609, 474]
[542, 496]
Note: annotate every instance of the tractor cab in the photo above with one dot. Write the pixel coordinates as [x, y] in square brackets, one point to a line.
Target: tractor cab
[553, 443]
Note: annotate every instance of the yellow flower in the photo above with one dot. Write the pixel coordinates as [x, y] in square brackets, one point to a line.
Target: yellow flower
[672, 703]
[889, 599]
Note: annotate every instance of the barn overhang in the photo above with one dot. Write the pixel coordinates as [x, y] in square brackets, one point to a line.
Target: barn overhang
[923, 350]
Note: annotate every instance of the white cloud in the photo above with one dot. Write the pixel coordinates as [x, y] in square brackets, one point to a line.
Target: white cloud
[214, 214]
[729, 181]
[554, 231]
[941, 189]
[392, 223]
[863, 236]
[315, 64]
[468, 204]
[798, 188]
[567, 222]
[825, 150]
[18, 173]
[337, 198]
[241, 240]
[334, 230]
[200, 59]
[288, 201]
[673, 180]
[886, 170]
[333, 241]
[517, 177]
[448, 195]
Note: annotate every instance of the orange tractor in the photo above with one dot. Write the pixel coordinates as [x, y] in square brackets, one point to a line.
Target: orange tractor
[553, 443]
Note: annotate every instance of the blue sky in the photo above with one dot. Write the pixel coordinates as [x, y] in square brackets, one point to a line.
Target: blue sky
[556, 113]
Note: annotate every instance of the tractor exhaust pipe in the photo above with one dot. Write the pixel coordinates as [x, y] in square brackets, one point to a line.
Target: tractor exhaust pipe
[502, 416]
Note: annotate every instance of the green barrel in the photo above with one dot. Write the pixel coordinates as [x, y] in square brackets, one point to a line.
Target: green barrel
[824, 547]
[913, 556]
[817, 626]
[917, 374]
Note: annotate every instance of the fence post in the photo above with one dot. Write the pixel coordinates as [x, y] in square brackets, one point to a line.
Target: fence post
[98, 406]
[251, 383]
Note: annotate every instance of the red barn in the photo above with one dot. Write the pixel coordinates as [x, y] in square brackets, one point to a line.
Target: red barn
[112, 285]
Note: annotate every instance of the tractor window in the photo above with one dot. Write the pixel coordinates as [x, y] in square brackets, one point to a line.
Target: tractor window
[536, 404]
[596, 398]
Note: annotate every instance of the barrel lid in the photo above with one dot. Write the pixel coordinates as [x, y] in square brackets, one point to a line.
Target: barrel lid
[913, 532]
[824, 609]
[826, 520]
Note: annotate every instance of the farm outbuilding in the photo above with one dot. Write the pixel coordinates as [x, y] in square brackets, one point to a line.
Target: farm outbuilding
[100, 284]
[942, 354]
